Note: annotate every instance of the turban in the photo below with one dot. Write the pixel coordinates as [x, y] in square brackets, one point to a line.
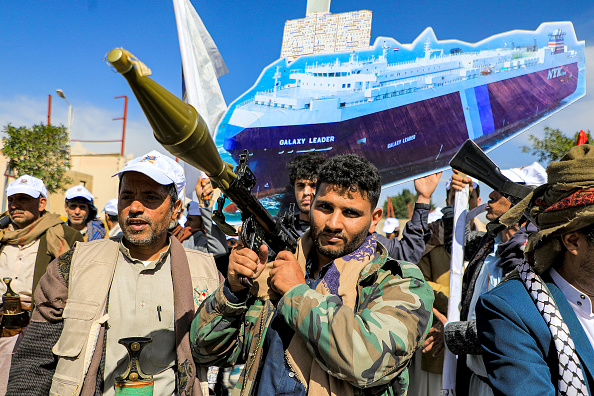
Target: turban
[564, 204]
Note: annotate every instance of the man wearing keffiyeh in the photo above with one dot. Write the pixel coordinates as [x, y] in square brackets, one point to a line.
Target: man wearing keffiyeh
[537, 328]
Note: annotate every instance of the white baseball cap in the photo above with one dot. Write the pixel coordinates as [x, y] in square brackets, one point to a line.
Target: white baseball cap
[111, 207]
[158, 167]
[390, 225]
[434, 215]
[532, 175]
[27, 184]
[79, 191]
[194, 209]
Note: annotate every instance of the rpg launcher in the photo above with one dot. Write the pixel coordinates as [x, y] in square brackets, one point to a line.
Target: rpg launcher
[473, 161]
[179, 128]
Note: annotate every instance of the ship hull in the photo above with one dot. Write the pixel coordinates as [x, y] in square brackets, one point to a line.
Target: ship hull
[404, 140]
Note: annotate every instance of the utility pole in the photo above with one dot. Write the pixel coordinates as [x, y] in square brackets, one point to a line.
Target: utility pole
[124, 118]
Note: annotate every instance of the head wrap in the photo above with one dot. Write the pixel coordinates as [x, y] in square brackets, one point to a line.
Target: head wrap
[564, 204]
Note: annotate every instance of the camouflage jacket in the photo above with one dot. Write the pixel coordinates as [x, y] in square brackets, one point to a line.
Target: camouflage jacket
[389, 323]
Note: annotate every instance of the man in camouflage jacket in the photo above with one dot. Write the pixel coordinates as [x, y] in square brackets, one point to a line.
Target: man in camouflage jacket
[337, 317]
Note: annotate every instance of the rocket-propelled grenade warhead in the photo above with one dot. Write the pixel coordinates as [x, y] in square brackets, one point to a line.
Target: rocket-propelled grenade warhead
[177, 126]
[181, 130]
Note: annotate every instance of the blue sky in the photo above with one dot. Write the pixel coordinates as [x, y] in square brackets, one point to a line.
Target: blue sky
[61, 44]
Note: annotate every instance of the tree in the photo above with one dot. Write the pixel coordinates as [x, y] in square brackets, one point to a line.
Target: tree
[553, 146]
[401, 204]
[42, 151]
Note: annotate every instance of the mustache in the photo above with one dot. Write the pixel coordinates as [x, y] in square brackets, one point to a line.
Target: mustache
[137, 217]
[16, 211]
[329, 231]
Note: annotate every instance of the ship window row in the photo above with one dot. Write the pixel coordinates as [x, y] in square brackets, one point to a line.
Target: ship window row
[335, 74]
[327, 85]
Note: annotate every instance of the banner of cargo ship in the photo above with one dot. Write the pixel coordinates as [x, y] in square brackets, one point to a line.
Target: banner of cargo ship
[405, 107]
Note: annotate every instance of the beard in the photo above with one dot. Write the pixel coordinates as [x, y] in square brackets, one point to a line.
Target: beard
[350, 245]
[151, 234]
[78, 221]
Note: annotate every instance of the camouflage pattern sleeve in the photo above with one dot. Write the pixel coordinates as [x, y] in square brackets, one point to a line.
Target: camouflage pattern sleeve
[369, 347]
[218, 332]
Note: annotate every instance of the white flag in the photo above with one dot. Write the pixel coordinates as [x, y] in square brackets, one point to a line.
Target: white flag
[455, 292]
[202, 65]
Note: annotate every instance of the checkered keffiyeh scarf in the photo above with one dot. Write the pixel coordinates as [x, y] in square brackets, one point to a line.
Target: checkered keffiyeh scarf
[571, 377]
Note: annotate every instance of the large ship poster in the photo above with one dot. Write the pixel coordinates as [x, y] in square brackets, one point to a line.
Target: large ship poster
[407, 108]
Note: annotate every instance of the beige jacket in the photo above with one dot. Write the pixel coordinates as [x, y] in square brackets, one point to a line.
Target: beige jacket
[80, 345]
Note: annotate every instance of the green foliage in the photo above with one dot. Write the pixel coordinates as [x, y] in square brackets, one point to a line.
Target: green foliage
[553, 146]
[400, 204]
[42, 151]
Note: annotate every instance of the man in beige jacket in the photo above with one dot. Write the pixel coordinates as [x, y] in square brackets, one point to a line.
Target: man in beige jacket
[32, 239]
[145, 285]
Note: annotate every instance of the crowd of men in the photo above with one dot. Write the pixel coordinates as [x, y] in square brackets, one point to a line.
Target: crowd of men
[349, 312]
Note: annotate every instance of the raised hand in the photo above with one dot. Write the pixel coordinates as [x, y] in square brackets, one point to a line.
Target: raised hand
[425, 186]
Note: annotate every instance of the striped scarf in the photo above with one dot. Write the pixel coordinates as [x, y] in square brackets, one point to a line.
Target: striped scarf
[571, 377]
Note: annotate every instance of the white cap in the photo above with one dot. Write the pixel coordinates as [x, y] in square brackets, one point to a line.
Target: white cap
[29, 185]
[79, 191]
[532, 175]
[390, 225]
[111, 207]
[194, 209]
[434, 215]
[158, 167]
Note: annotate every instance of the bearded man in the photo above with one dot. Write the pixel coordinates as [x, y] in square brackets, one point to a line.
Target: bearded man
[492, 260]
[142, 285]
[33, 238]
[337, 317]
